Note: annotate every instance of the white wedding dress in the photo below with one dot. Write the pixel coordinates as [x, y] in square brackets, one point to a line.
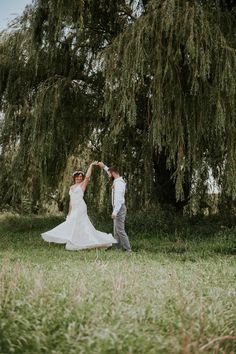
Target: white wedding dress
[77, 232]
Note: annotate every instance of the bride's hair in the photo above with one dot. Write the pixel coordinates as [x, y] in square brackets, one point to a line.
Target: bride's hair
[76, 174]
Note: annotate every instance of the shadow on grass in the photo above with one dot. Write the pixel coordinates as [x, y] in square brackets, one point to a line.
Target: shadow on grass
[218, 244]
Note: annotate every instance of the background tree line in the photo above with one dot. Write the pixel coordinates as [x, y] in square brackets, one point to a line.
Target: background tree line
[147, 85]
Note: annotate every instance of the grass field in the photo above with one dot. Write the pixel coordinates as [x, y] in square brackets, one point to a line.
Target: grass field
[173, 295]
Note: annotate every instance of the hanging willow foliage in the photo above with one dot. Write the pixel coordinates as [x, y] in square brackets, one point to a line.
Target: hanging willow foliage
[182, 55]
[148, 85]
[51, 91]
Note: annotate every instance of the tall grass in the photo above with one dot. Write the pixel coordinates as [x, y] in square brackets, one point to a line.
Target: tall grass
[173, 295]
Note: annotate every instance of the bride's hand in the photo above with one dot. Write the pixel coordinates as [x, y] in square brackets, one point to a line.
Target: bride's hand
[94, 163]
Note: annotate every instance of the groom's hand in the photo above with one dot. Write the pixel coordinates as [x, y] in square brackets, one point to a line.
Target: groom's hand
[101, 164]
[113, 216]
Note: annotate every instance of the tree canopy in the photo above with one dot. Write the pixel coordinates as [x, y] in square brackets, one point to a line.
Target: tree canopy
[147, 85]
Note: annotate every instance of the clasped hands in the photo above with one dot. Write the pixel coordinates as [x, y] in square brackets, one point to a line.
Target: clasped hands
[98, 163]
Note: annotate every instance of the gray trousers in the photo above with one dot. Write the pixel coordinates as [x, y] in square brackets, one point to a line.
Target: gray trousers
[119, 230]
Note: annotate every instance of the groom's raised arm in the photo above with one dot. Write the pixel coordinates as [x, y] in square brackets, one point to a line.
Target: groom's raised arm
[103, 166]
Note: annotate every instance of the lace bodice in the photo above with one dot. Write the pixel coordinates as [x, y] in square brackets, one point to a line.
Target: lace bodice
[76, 194]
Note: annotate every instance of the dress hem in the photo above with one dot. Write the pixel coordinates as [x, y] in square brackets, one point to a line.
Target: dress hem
[104, 245]
[75, 247]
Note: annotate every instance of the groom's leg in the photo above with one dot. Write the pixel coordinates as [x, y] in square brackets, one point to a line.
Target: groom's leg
[120, 229]
[116, 235]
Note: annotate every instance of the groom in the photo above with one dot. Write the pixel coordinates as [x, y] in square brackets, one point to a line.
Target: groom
[119, 208]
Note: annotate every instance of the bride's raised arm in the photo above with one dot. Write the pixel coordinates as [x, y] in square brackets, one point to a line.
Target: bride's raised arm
[87, 176]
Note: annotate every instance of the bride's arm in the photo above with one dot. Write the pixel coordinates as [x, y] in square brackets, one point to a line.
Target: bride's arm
[87, 176]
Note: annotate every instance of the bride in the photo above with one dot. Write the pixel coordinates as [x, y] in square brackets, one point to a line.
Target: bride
[77, 232]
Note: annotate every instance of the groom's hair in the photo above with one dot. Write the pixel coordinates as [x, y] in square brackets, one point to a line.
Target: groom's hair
[113, 169]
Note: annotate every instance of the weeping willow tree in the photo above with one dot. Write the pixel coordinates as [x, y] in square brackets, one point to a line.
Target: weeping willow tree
[51, 90]
[148, 85]
[179, 56]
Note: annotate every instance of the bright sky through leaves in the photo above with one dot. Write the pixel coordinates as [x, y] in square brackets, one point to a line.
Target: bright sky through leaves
[9, 9]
